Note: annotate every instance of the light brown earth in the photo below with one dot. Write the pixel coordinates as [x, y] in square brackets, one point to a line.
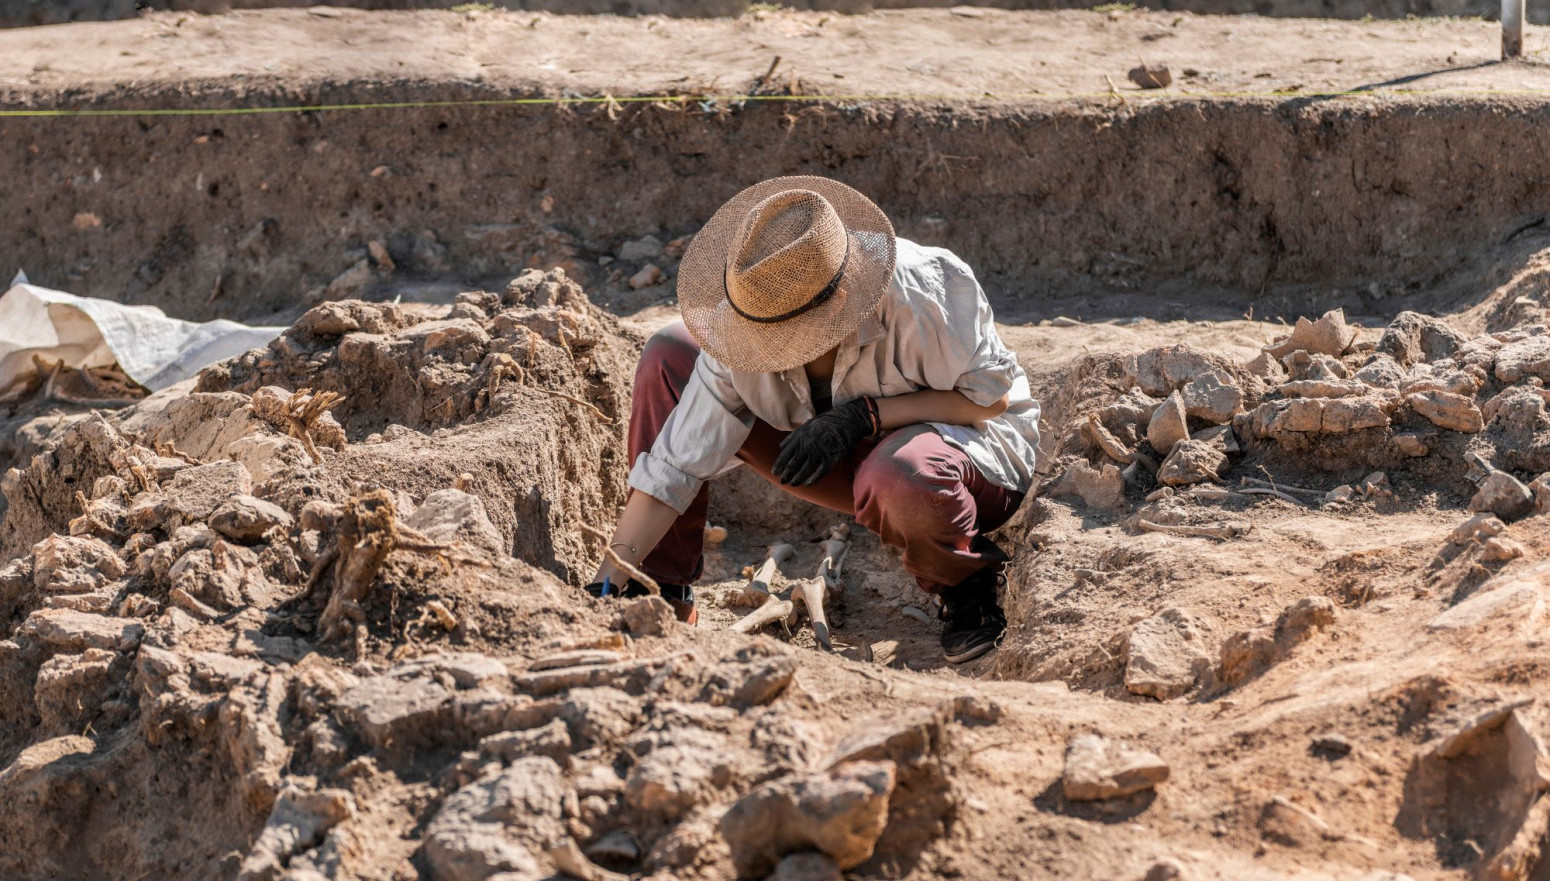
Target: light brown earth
[182, 696]
[965, 53]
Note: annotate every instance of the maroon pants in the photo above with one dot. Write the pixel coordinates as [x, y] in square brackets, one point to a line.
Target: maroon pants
[916, 491]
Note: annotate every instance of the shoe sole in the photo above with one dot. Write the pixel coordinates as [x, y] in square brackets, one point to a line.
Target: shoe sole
[969, 654]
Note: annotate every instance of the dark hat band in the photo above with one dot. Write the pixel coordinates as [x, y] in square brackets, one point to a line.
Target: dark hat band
[818, 299]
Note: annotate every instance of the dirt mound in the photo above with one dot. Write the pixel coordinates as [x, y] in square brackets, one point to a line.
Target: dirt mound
[319, 603]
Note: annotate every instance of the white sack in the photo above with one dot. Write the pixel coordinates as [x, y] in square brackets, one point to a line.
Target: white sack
[154, 350]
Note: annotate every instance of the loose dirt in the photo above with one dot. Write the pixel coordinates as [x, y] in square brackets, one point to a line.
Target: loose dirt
[1276, 603]
[361, 660]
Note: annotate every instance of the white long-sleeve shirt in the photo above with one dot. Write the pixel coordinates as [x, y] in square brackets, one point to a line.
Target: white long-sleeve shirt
[933, 329]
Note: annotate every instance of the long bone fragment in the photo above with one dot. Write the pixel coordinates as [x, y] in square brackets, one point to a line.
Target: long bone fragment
[757, 590]
[1113, 448]
[1222, 531]
[812, 592]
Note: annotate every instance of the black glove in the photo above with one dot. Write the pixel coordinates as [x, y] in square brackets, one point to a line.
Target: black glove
[808, 453]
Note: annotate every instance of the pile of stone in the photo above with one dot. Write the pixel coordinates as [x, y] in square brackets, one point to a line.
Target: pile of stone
[1469, 413]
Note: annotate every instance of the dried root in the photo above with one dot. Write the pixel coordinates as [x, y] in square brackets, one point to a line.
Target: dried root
[302, 413]
[367, 532]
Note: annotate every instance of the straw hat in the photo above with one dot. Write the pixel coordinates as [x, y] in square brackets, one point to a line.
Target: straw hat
[784, 272]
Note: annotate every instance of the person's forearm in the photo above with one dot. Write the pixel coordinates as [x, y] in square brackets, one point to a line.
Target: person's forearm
[948, 408]
[644, 521]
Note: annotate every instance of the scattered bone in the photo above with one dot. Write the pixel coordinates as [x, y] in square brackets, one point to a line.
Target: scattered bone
[1222, 531]
[569, 859]
[757, 591]
[581, 658]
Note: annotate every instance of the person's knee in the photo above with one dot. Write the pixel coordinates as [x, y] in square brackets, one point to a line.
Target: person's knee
[671, 351]
[887, 479]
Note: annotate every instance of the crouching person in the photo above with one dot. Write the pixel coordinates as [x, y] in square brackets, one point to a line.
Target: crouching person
[858, 371]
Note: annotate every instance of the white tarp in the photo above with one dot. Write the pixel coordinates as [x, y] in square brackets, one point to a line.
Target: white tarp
[154, 350]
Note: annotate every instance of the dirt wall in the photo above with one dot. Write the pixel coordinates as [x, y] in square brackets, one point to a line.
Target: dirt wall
[1372, 199]
[35, 12]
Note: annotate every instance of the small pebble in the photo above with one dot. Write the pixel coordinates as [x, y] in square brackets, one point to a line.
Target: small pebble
[1332, 746]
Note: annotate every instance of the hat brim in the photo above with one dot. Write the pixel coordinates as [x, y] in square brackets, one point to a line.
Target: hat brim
[760, 347]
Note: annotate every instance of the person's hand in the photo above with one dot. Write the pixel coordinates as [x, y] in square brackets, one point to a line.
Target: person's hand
[808, 453]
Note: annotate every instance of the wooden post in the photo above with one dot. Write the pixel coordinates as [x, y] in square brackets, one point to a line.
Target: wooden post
[1512, 28]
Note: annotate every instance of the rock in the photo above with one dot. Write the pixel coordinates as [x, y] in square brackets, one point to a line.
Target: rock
[1266, 367]
[1412, 337]
[246, 519]
[552, 741]
[648, 616]
[1447, 410]
[1324, 388]
[1098, 768]
[196, 492]
[1191, 462]
[1134, 407]
[1295, 416]
[493, 826]
[297, 823]
[669, 782]
[1169, 425]
[387, 712]
[1165, 655]
[1332, 746]
[907, 740]
[649, 275]
[1518, 602]
[1150, 76]
[1541, 490]
[1500, 550]
[1163, 370]
[1300, 365]
[1477, 528]
[1330, 335]
[643, 248]
[70, 631]
[1213, 396]
[73, 564]
[1528, 357]
[840, 813]
[807, 866]
[1307, 614]
[1101, 488]
[1220, 437]
[751, 676]
[1410, 444]
[451, 515]
[69, 688]
[1165, 869]
[1503, 495]
[1381, 372]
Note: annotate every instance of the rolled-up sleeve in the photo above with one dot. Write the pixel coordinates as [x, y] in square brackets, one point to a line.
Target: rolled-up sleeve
[959, 349]
[701, 435]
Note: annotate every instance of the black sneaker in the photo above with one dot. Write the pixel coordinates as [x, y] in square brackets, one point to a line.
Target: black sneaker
[973, 620]
[679, 596]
